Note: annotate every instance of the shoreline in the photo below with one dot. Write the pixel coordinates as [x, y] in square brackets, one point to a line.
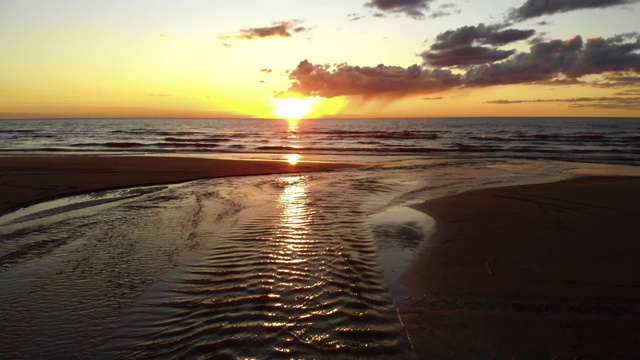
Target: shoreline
[560, 290]
[27, 180]
[537, 270]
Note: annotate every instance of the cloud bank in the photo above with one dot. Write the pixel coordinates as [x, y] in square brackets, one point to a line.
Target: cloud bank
[535, 8]
[461, 47]
[604, 102]
[412, 8]
[331, 81]
[553, 60]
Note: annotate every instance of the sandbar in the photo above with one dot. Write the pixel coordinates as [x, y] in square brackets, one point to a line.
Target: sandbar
[28, 179]
[531, 271]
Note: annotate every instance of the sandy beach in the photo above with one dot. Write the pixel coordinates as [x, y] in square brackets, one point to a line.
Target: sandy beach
[532, 271]
[28, 179]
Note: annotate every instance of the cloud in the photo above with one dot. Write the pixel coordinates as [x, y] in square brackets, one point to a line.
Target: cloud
[481, 34]
[266, 71]
[283, 29]
[571, 58]
[354, 16]
[465, 55]
[535, 8]
[613, 54]
[560, 62]
[446, 9]
[624, 79]
[459, 47]
[615, 102]
[412, 8]
[391, 81]
[632, 92]
[544, 61]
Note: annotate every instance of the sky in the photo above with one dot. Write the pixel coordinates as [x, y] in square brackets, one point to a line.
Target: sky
[329, 58]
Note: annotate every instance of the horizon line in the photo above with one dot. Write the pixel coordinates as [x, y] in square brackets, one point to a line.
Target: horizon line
[317, 118]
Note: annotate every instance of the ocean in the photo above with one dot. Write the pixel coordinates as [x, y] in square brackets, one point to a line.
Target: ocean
[272, 266]
[606, 140]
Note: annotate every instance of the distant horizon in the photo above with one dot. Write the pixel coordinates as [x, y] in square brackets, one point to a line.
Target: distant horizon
[324, 118]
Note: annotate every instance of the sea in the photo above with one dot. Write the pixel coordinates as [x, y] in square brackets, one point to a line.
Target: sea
[304, 266]
[608, 140]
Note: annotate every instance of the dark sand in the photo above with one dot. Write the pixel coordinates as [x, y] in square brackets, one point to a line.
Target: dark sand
[535, 271]
[28, 179]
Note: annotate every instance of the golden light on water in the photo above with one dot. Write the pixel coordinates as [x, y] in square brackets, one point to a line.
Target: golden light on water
[295, 216]
[293, 203]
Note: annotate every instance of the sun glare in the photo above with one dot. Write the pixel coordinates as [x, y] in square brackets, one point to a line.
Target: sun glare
[292, 158]
[293, 108]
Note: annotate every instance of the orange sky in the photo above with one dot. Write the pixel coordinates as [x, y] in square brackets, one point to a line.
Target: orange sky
[357, 58]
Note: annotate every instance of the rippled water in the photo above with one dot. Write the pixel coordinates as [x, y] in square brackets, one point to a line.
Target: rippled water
[610, 140]
[264, 267]
[298, 279]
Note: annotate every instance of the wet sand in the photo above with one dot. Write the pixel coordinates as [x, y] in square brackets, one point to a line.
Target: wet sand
[534, 271]
[28, 179]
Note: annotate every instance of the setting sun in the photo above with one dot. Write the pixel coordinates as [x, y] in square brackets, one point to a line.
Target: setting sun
[293, 107]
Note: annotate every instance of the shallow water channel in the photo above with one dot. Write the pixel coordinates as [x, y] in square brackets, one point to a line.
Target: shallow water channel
[295, 266]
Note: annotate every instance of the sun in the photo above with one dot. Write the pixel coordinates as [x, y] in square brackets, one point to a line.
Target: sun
[293, 108]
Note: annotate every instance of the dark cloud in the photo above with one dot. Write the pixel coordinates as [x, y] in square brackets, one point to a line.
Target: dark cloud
[544, 61]
[459, 47]
[624, 79]
[554, 62]
[413, 8]
[571, 58]
[439, 14]
[613, 54]
[620, 79]
[266, 71]
[481, 34]
[465, 55]
[534, 8]
[279, 29]
[392, 81]
[433, 98]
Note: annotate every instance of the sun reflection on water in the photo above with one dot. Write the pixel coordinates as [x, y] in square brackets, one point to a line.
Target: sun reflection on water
[295, 214]
[293, 159]
[292, 126]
